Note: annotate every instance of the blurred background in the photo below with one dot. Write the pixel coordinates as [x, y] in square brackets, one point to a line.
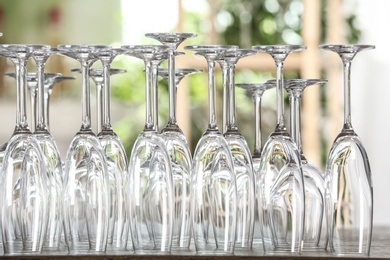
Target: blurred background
[244, 23]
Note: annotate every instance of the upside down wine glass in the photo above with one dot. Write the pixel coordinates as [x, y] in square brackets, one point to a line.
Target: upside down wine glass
[315, 231]
[24, 207]
[213, 184]
[257, 91]
[281, 178]
[118, 229]
[150, 186]
[348, 184]
[177, 145]
[86, 182]
[181, 162]
[242, 158]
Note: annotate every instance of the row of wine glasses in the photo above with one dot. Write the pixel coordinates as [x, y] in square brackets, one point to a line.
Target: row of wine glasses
[160, 197]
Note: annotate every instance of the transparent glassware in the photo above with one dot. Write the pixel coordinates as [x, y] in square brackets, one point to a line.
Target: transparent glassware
[24, 208]
[213, 184]
[281, 177]
[348, 183]
[315, 232]
[86, 181]
[181, 161]
[242, 158]
[118, 229]
[257, 90]
[150, 185]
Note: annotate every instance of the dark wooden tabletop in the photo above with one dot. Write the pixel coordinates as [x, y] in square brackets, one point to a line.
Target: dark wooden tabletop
[380, 249]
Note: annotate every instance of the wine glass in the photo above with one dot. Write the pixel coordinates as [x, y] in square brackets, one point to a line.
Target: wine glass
[315, 232]
[242, 158]
[281, 178]
[118, 229]
[213, 184]
[257, 90]
[86, 181]
[24, 208]
[150, 186]
[348, 184]
[181, 162]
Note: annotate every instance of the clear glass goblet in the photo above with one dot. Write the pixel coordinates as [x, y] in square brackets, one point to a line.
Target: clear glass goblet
[348, 183]
[86, 181]
[257, 90]
[24, 208]
[242, 158]
[213, 184]
[150, 186]
[281, 177]
[315, 231]
[118, 230]
[181, 162]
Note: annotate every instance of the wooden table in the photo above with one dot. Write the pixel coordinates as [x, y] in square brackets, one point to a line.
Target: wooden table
[380, 249]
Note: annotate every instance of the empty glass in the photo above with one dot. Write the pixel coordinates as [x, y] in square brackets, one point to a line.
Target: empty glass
[348, 184]
[213, 184]
[150, 186]
[242, 158]
[315, 231]
[281, 178]
[24, 207]
[181, 162]
[257, 90]
[86, 180]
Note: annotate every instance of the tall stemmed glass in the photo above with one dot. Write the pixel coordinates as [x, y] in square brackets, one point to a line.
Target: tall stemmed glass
[150, 187]
[181, 162]
[51, 155]
[118, 229]
[315, 232]
[24, 207]
[213, 184]
[242, 158]
[257, 90]
[348, 184]
[86, 180]
[281, 183]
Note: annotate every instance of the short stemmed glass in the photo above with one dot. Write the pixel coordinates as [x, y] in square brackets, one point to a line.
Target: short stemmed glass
[348, 183]
[315, 231]
[150, 186]
[242, 158]
[281, 184]
[118, 229]
[213, 184]
[181, 162]
[24, 208]
[257, 90]
[86, 180]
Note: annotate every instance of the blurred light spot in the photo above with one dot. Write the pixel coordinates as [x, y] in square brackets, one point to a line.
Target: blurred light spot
[269, 26]
[291, 37]
[245, 17]
[292, 20]
[272, 6]
[223, 19]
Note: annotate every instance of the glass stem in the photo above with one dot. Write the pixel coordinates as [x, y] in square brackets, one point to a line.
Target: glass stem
[106, 97]
[47, 101]
[280, 127]
[347, 95]
[21, 118]
[295, 124]
[211, 93]
[86, 99]
[232, 96]
[33, 104]
[225, 96]
[40, 124]
[258, 141]
[149, 118]
[171, 88]
[99, 105]
[154, 85]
